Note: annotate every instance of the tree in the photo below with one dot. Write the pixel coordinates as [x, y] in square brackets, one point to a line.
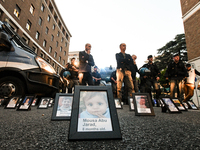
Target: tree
[178, 45]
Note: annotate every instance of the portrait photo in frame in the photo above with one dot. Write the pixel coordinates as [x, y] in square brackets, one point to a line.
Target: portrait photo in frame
[180, 106]
[44, 102]
[118, 104]
[12, 103]
[1, 101]
[50, 102]
[186, 105]
[94, 115]
[34, 102]
[143, 105]
[26, 102]
[62, 106]
[131, 104]
[191, 105]
[170, 105]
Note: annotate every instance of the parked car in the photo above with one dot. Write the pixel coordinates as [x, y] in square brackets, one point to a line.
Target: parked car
[21, 70]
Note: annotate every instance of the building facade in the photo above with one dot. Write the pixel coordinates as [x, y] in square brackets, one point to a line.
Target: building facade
[40, 24]
[191, 21]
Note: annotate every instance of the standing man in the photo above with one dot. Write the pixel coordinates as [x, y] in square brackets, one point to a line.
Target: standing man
[124, 62]
[134, 69]
[96, 76]
[189, 82]
[86, 61]
[73, 79]
[176, 72]
[152, 78]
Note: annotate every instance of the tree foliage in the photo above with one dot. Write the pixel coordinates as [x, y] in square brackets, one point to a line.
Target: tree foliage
[178, 45]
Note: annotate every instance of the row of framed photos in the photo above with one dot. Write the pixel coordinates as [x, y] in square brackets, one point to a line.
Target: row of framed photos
[26, 102]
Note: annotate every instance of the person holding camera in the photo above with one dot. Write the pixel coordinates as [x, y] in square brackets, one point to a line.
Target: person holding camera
[123, 73]
[86, 61]
[151, 79]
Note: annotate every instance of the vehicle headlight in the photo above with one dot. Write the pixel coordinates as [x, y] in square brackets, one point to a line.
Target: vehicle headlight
[45, 65]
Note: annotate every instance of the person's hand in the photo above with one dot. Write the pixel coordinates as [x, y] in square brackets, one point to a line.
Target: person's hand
[99, 115]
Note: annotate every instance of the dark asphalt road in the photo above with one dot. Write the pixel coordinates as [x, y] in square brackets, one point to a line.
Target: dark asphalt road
[31, 130]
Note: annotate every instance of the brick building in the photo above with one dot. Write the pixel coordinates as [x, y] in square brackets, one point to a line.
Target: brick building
[40, 24]
[191, 21]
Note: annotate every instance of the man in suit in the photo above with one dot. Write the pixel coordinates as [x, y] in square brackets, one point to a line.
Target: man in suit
[86, 61]
[124, 63]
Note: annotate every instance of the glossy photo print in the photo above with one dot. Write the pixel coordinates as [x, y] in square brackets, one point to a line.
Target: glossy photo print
[44, 102]
[12, 102]
[94, 113]
[172, 108]
[25, 104]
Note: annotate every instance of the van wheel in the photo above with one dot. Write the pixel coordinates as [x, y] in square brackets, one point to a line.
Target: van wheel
[11, 86]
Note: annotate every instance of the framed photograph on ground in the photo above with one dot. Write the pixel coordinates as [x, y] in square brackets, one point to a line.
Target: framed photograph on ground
[12, 103]
[25, 103]
[118, 104]
[186, 105]
[131, 104]
[1, 101]
[34, 101]
[94, 115]
[170, 105]
[143, 105]
[44, 101]
[50, 102]
[191, 105]
[62, 106]
[180, 106]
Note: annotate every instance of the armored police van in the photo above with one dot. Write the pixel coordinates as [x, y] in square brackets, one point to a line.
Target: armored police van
[21, 70]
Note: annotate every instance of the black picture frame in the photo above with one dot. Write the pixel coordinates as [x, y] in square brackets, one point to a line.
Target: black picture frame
[186, 105]
[51, 102]
[62, 107]
[170, 105]
[142, 104]
[26, 102]
[118, 104]
[191, 105]
[12, 102]
[44, 102]
[34, 101]
[131, 104]
[88, 125]
[180, 106]
[1, 101]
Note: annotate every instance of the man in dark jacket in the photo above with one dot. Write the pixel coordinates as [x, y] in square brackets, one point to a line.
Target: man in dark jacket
[151, 79]
[134, 70]
[124, 63]
[176, 72]
[96, 76]
[86, 61]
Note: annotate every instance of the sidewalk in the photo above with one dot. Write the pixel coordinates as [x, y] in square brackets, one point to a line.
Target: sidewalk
[33, 130]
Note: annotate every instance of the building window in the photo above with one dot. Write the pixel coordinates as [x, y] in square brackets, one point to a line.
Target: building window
[59, 24]
[65, 44]
[17, 11]
[53, 64]
[35, 49]
[42, 7]
[50, 49]
[52, 37]
[55, 54]
[54, 26]
[58, 33]
[42, 55]
[48, 18]
[64, 53]
[58, 69]
[59, 59]
[48, 60]
[61, 49]
[63, 62]
[25, 38]
[32, 9]
[28, 25]
[40, 21]
[56, 43]
[62, 39]
[47, 30]
[67, 36]
[37, 35]
[44, 43]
